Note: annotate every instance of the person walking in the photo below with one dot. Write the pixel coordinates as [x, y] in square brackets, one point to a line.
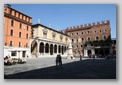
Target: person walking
[93, 57]
[81, 55]
[60, 60]
[57, 60]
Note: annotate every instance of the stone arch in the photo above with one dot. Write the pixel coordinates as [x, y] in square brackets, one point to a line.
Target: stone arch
[62, 49]
[51, 49]
[101, 52]
[41, 47]
[89, 53]
[46, 48]
[34, 46]
[55, 48]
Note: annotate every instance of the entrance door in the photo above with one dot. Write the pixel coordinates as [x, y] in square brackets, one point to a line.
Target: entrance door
[23, 53]
[89, 53]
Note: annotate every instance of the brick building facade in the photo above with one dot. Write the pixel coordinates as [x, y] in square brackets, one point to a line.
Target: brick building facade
[90, 39]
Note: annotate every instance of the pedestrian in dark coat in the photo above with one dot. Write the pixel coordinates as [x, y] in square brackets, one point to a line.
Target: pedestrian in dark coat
[94, 57]
[81, 55]
[57, 60]
[60, 60]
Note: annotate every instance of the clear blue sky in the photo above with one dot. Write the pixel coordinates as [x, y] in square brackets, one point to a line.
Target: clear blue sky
[61, 16]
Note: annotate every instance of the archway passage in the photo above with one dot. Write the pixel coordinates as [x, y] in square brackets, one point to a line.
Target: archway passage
[55, 49]
[51, 49]
[41, 48]
[96, 51]
[89, 53]
[101, 52]
[106, 52]
[34, 48]
[46, 48]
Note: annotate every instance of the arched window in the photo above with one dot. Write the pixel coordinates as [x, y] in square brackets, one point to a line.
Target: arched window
[82, 39]
[12, 22]
[11, 43]
[97, 38]
[81, 45]
[88, 32]
[100, 30]
[105, 30]
[95, 31]
[19, 44]
[88, 38]
[11, 32]
[104, 37]
[26, 36]
[77, 33]
[72, 40]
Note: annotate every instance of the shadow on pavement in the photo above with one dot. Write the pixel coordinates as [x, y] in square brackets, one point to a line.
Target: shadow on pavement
[85, 69]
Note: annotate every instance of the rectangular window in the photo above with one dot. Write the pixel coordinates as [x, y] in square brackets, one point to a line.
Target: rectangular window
[27, 45]
[19, 44]
[27, 28]
[26, 36]
[11, 43]
[20, 34]
[13, 53]
[15, 14]
[10, 12]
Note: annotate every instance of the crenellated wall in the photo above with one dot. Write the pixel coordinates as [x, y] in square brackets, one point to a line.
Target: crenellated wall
[85, 26]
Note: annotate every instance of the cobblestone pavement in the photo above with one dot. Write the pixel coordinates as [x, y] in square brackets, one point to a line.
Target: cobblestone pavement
[44, 68]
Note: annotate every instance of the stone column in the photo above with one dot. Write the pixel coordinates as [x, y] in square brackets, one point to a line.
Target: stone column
[44, 50]
[49, 50]
[37, 54]
[93, 52]
[57, 50]
[85, 52]
[54, 50]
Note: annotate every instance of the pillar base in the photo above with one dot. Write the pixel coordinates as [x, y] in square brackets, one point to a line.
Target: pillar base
[70, 57]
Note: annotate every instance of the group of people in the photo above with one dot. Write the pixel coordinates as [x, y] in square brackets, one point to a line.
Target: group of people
[58, 60]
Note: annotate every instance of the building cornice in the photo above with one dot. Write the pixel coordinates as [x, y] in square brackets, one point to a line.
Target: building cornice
[15, 18]
[36, 25]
